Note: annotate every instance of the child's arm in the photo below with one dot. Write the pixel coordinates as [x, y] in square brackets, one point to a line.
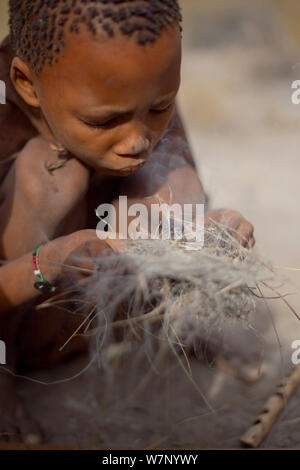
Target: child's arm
[36, 203]
[170, 174]
[15, 131]
[17, 277]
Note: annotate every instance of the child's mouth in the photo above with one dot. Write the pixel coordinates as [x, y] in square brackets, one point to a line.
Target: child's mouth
[132, 168]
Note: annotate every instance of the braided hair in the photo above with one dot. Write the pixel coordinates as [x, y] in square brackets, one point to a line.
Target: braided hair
[37, 27]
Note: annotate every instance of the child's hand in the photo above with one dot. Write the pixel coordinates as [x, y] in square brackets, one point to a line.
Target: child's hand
[74, 255]
[239, 228]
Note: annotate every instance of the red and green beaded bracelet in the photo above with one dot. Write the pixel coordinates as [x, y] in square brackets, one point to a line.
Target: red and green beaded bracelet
[41, 284]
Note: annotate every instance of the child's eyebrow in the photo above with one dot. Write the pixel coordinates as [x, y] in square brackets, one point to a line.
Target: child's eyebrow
[107, 111]
[100, 114]
[165, 98]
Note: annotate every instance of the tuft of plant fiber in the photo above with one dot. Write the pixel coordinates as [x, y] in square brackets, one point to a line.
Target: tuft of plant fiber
[164, 290]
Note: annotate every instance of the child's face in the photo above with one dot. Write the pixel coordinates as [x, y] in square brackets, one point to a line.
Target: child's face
[109, 102]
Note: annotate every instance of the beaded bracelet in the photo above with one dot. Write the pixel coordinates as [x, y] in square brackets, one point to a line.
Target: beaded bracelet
[41, 284]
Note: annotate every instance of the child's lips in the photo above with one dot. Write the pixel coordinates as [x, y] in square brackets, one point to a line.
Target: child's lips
[131, 169]
[133, 166]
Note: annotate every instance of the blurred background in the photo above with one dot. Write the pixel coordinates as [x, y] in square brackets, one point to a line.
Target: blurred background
[240, 59]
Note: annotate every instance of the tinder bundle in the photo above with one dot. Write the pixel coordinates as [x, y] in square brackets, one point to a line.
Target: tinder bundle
[170, 290]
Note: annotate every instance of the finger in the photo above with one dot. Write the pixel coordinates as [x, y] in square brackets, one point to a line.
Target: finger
[244, 233]
[209, 222]
[231, 219]
[229, 222]
[251, 243]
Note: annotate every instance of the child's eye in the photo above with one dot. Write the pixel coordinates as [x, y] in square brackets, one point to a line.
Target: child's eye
[160, 111]
[101, 125]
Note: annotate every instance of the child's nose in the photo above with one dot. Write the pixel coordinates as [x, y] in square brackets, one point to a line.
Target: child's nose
[133, 147]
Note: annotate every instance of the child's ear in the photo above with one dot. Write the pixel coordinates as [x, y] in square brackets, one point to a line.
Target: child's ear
[22, 79]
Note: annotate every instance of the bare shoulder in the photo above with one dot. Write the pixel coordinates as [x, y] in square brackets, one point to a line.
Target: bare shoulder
[15, 127]
[11, 115]
[52, 204]
[69, 181]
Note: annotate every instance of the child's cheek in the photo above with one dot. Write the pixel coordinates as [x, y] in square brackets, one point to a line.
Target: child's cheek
[81, 140]
[161, 122]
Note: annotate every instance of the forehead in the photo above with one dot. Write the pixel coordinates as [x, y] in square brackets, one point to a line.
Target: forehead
[92, 64]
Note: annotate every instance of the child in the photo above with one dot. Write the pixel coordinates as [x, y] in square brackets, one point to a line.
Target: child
[90, 115]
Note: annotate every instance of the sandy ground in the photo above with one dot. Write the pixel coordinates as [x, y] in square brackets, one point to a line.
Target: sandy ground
[236, 100]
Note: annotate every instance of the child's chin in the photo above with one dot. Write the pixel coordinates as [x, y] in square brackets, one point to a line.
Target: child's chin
[117, 172]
